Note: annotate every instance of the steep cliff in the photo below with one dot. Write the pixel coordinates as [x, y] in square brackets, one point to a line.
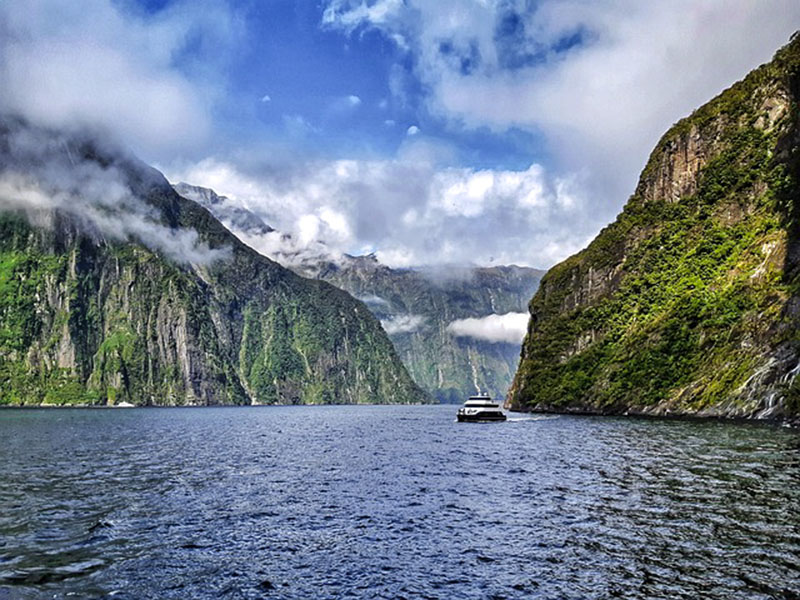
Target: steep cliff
[415, 306]
[113, 288]
[689, 302]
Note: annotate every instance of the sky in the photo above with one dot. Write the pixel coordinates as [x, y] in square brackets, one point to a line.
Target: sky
[428, 132]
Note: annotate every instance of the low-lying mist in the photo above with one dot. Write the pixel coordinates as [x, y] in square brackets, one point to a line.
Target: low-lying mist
[92, 180]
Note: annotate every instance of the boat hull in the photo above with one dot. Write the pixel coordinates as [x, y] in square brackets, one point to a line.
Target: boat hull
[481, 418]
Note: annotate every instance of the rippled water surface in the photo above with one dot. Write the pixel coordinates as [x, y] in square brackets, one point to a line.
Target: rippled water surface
[393, 502]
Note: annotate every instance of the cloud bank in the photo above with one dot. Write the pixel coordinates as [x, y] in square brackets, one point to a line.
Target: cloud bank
[597, 81]
[71, 64]
[600, 80]
[509, 328]
[410, 213]
[41, 172]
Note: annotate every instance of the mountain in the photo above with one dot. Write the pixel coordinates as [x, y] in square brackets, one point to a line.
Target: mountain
[114, 288]
[253, 231]
[417, 307]
[689, 303]
[234, 216]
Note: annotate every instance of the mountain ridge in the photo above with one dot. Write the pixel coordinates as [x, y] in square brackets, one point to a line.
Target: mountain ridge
[416, 306]
[688, 302]
[99, 305]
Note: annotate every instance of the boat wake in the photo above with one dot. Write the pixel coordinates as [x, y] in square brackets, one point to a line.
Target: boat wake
[536, 418]
[522, 419]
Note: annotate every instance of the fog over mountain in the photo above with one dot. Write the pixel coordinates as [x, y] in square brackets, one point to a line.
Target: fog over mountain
[44, 171]
[115, 289]
[425, 132]
[456, 328]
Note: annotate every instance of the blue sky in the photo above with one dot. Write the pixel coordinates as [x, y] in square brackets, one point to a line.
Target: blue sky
[317, 89]
[427, 131]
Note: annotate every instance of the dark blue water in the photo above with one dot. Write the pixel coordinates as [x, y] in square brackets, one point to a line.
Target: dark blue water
[392, 502]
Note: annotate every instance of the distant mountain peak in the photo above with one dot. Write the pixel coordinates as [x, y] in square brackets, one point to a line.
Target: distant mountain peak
[416, 306]
[232, 213]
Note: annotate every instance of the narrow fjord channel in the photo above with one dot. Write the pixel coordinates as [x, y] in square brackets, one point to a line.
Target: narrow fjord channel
[393, 502]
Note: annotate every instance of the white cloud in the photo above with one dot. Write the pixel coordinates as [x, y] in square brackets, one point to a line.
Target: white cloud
[402, 324]
[601, 105]
[42, 171]
[509, 328]
[344, 104]
[412, 130]
[266, 98]
[68, 64]
[410, 212]
[344, 14]
[374, 300]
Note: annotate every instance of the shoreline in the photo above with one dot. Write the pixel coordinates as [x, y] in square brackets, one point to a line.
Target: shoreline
[791, 422]
[160, 406]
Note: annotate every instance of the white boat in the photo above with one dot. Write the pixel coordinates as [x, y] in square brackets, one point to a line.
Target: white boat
[480, 408]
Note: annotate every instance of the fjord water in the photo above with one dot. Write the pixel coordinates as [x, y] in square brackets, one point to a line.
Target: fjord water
[393, 502]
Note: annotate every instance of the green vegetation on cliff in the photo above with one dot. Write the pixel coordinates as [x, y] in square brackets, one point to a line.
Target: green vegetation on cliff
[416, 306]
[87, 317]
[690, 301]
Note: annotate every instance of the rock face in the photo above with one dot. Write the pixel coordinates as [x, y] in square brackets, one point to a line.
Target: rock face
[415, 306]
[150, 300]
[689, 303]
[235, 217]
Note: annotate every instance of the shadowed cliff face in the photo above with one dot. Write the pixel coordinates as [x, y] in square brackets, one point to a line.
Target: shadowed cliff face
[689, 302]
[417, 307]
[114, 288]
